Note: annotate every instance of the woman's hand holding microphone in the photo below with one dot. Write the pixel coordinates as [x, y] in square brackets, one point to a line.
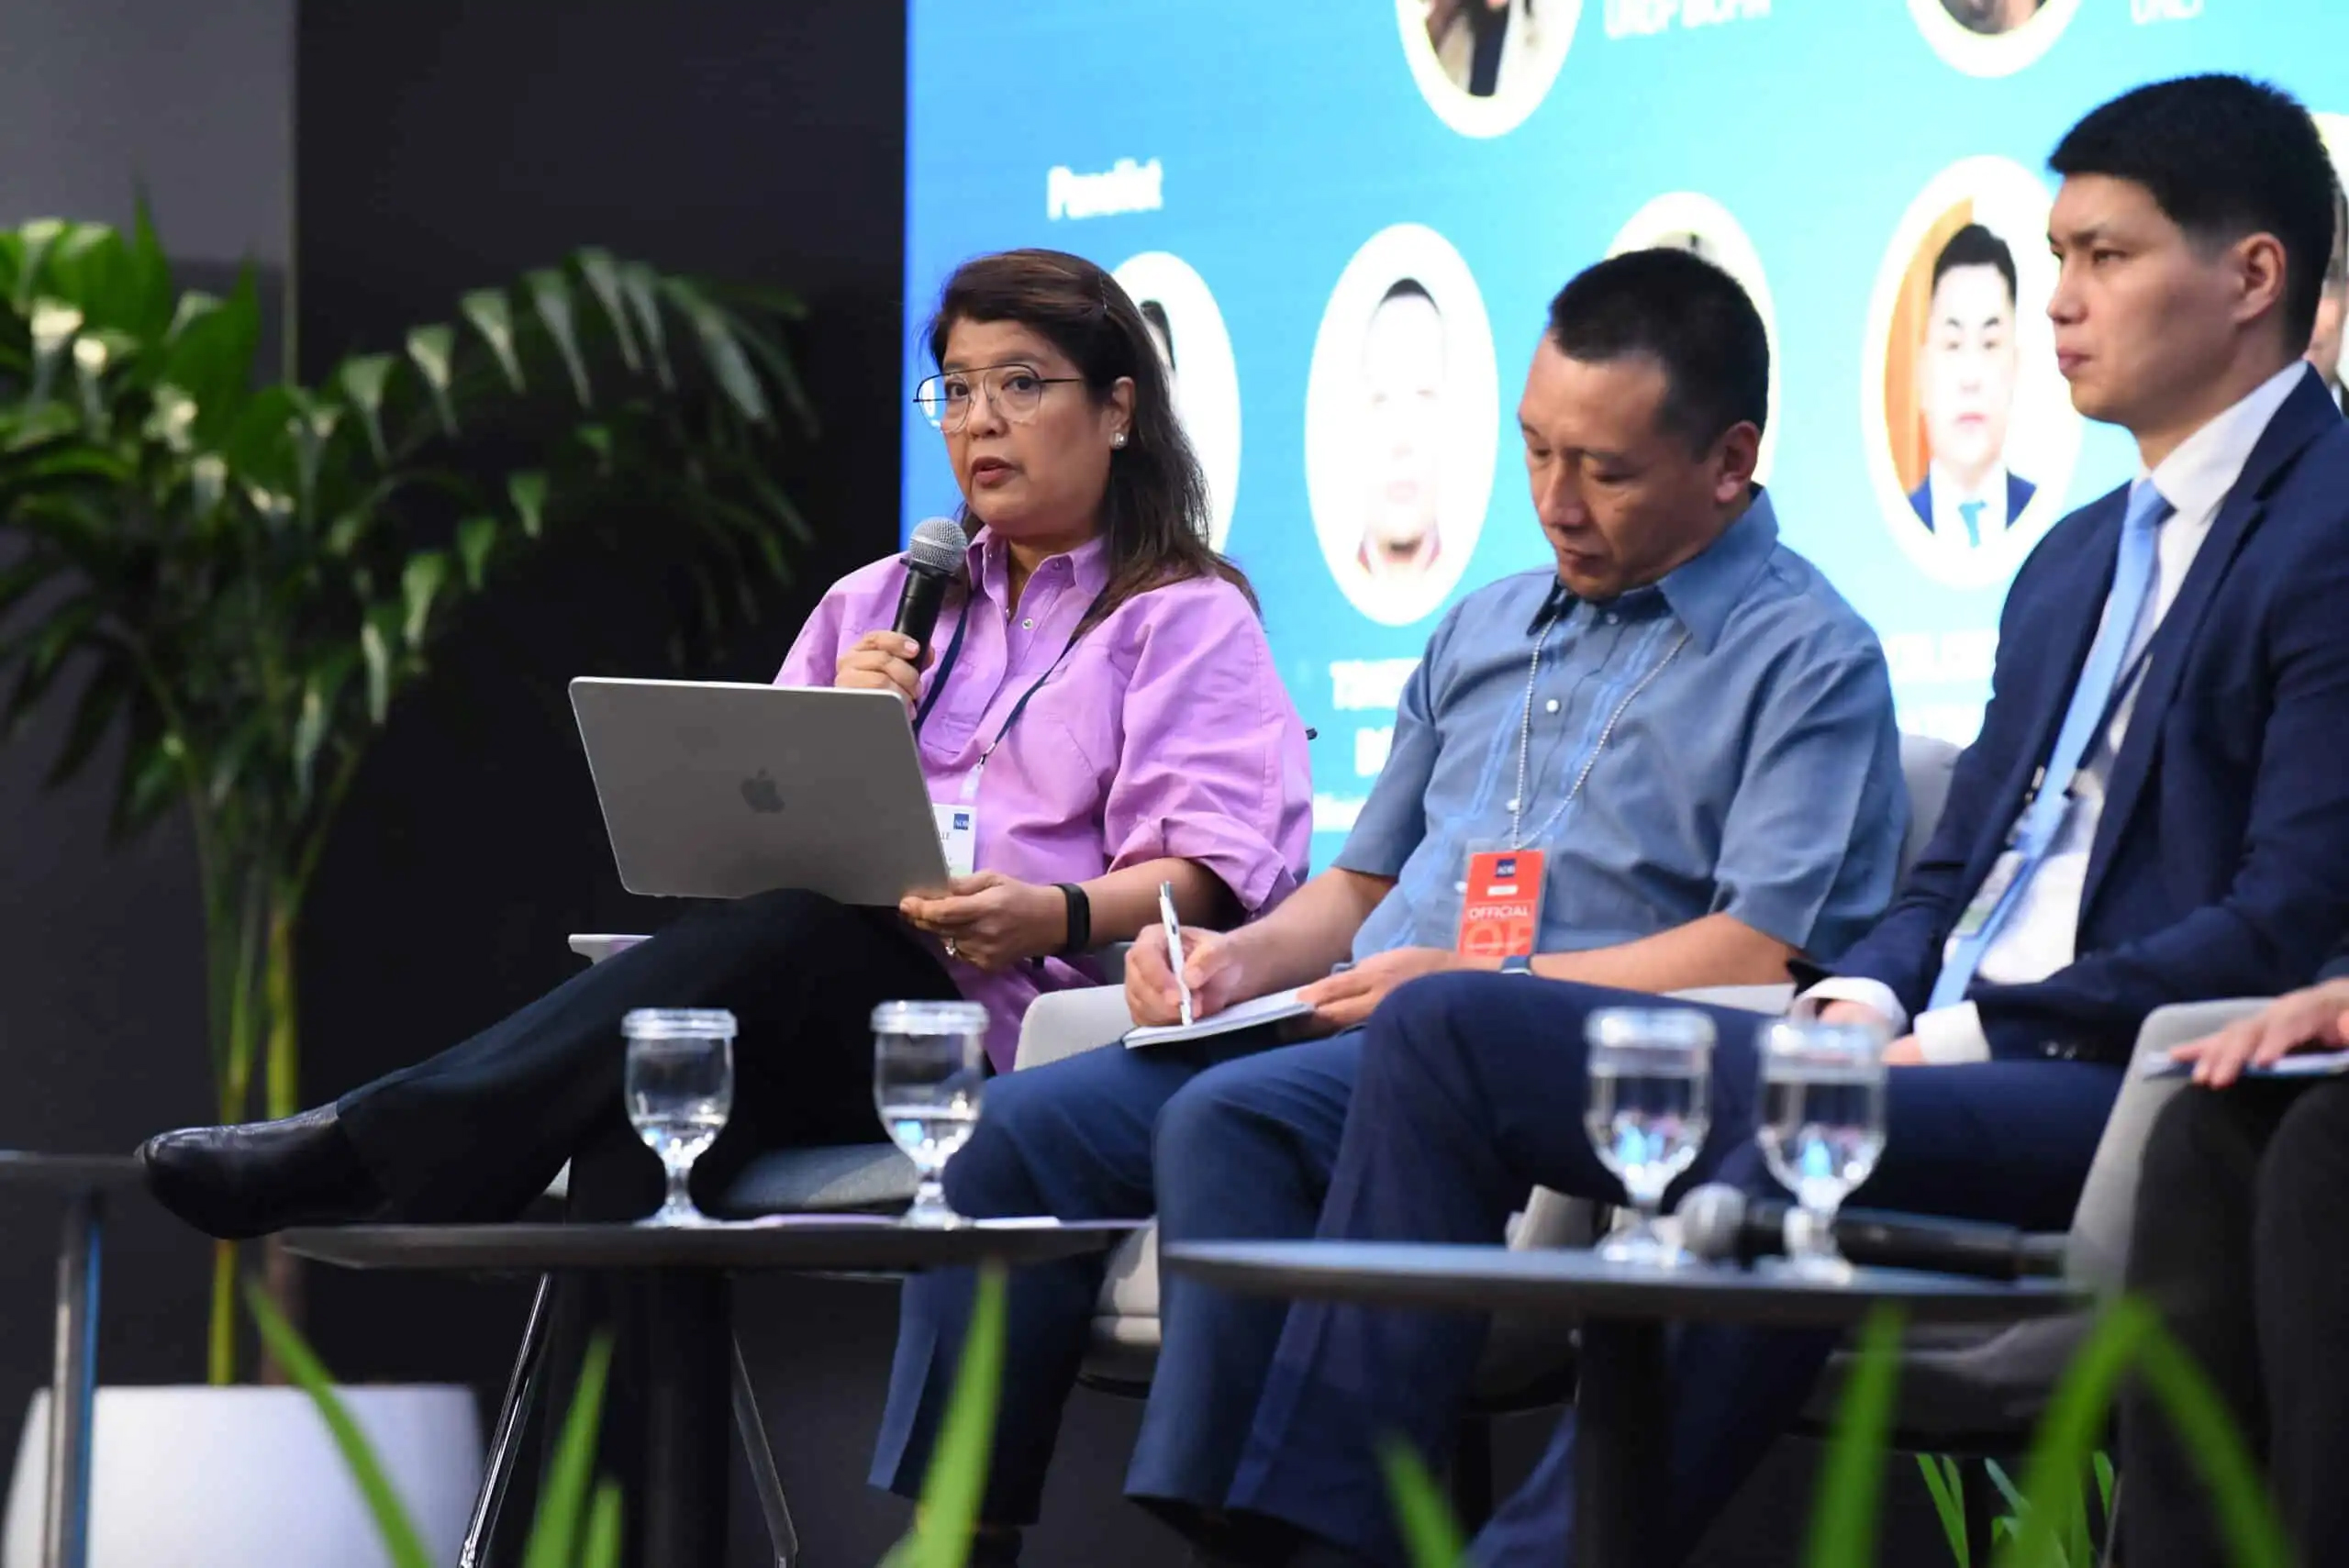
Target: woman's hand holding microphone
[882, 662]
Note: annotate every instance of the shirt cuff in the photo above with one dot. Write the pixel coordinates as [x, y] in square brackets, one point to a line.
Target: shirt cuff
[1873, 994]
[1952, 1036]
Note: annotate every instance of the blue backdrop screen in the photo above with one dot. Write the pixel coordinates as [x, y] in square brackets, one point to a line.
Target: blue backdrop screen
[1347, 218]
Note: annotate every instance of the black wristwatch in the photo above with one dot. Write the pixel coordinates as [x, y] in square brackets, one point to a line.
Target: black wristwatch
[1080, 918]
[1518, 963]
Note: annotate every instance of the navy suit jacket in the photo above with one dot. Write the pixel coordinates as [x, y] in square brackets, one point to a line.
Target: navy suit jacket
[2018, 494]
[2220, 863]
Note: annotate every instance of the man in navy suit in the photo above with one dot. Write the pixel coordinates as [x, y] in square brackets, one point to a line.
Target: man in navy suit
[2155, 812]
[1967, 369]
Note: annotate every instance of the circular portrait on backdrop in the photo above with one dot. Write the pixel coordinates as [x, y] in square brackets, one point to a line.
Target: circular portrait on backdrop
[1401, 424]
[1196, 351]
[1690, 221]
[1991, 38]
[1483, 65]
[1970, 431]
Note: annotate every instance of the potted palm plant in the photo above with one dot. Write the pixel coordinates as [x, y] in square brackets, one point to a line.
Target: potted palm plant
[240, 575]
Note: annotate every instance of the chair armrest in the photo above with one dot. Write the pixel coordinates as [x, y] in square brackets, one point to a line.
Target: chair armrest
[2100, 1237]
[1553, 1219]
[596, 947]
[1067, 1023]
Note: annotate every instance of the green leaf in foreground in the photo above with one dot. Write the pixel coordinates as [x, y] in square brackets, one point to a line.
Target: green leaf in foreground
[1945, 1483]
[401, 1541]
[1430, 1535]
[957, 1470]
[1851, 1487]
[602, 1548]
[562, 1505]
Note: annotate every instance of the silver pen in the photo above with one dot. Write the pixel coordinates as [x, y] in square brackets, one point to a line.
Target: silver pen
[1175, 945]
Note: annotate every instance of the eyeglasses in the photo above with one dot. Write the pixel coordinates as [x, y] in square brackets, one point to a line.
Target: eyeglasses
[1014, 391]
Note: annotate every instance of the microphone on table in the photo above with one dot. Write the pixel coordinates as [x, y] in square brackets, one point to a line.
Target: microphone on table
[1720, 1223]
[934, 560]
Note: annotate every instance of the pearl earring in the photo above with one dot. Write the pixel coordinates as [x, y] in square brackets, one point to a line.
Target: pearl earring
[1118, 440]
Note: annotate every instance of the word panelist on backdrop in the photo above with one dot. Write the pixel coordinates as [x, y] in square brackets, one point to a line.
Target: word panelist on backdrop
[1103, 718]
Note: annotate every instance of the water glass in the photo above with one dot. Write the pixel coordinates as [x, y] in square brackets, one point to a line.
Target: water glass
[928, 1066]
[680, 1090]
[1822, 1127]
[1649, 1107]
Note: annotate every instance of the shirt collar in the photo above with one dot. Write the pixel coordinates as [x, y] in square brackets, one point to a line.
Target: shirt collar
[1703, 591]
[2195, 478]
[1088, 565]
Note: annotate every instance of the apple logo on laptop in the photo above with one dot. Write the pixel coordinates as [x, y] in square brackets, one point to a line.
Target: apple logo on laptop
[760, 794]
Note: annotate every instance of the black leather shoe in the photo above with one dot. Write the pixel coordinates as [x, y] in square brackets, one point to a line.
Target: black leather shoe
[234, 1183]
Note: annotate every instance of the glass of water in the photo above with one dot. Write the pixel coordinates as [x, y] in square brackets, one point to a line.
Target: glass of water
[680, 1090]
[1822, 1127]
[1649, 1106]
[929, 1065]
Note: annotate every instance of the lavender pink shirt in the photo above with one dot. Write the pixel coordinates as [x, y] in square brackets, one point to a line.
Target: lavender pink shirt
[1165, 731]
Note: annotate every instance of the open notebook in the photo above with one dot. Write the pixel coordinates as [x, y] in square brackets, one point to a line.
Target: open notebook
[1269, 1009]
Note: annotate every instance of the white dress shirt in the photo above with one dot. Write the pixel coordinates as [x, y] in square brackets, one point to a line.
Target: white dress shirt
[2041, 936]
[1990, 524]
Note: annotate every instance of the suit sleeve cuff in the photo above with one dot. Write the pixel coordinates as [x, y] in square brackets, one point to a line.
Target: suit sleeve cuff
[1951, 1037]
[1873, 994]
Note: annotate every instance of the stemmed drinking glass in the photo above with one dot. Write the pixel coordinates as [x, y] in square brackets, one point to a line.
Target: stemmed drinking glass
[1649, 1106]
[680, 1090]
[1822, 1127]
[929, 1067]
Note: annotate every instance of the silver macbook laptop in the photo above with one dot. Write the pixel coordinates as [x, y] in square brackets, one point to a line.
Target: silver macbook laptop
[717, 790]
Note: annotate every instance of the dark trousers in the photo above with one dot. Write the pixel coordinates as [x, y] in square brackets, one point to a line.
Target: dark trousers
[1226, 1139]
[1470, 1092]
[479, 1130]
[2239, 1243]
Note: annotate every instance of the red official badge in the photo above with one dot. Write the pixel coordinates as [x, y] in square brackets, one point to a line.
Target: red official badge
[1502, 910]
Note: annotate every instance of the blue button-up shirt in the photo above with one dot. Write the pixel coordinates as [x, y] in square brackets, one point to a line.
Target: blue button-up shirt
[1757, 774]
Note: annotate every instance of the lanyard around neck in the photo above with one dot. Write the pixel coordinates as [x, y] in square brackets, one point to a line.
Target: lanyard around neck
[1525, 733]
[955, 653]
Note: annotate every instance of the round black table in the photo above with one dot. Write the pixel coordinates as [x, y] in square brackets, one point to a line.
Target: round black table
[1622, 1432]
[685, 1276]
[85, 1182]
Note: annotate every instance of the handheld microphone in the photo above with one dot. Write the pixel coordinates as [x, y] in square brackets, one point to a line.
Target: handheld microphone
[933, 558]
[1720, 1223]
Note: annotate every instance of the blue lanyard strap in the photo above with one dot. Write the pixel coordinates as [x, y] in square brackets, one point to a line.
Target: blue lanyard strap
[954, 651]
[945, 666]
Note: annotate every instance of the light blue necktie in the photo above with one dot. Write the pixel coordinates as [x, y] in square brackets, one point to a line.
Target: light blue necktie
[2043, 821]
[1970, 514]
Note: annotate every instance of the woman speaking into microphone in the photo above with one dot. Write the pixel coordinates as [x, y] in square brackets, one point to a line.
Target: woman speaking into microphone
[1096, 693]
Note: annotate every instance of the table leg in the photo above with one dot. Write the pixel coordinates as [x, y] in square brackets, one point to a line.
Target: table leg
[505, 1445]
[750, 1426]
[689, 1330]
[73, 1389]
[1622, 1443]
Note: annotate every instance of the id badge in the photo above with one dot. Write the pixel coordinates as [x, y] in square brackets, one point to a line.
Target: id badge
[2003, 872]
[958, 835]
[1501, 908]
